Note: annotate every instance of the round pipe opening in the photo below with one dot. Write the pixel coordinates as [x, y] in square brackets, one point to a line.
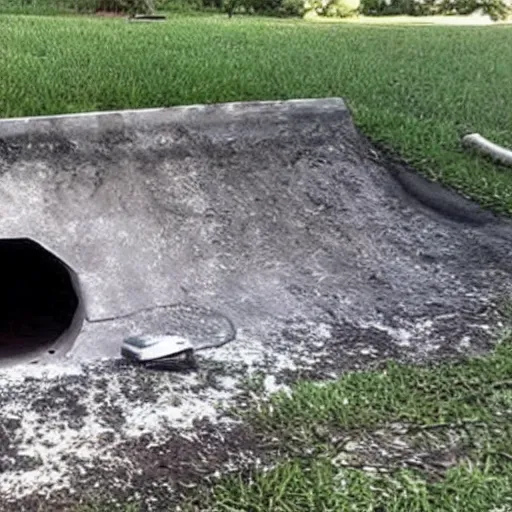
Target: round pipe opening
[40, 305]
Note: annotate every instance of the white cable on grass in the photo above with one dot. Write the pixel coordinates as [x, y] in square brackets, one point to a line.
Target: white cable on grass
[486, 147]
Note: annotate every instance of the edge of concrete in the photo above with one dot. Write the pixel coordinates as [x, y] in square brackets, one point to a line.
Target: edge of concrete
[429, 194]
[118, 120]
[443, 200]
[432, 195]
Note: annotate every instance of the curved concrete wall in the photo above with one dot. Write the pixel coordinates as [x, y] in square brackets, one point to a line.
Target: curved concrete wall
[211, 219]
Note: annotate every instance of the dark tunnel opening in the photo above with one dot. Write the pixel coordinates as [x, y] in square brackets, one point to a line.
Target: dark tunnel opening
[38, 299]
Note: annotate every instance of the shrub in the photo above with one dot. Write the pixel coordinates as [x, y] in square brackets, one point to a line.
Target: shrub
[271, 7]
[262, 6]
[496, 9]
[115, 6]
[216, 4]
[230, 6]
[125, 6]
[187, 5]
[292, 7]
[374, 7]
[333, 8]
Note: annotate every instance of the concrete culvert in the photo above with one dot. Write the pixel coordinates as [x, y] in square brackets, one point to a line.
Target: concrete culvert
[270, 237]
[265, 222]
[39, 302]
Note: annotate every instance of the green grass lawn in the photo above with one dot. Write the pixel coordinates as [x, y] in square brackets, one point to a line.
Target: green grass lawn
[402, 439]
[414, 89]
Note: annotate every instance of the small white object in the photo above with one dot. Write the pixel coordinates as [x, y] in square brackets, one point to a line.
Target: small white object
[486, 147]
[148, 348]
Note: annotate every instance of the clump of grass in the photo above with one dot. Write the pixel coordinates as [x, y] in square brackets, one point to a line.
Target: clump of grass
[319, 485]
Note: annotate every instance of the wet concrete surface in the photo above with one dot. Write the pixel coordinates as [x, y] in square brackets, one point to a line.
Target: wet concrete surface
[275, 227]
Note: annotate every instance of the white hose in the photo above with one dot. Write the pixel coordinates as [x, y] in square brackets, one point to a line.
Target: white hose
[486, 147]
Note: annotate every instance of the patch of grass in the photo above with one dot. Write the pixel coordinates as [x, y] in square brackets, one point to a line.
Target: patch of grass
[318, 485]
[404, 439]
[414, 89]
[447, 393]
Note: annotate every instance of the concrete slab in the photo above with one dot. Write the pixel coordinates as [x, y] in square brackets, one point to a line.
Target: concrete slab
[193, 220]
[274, 226]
